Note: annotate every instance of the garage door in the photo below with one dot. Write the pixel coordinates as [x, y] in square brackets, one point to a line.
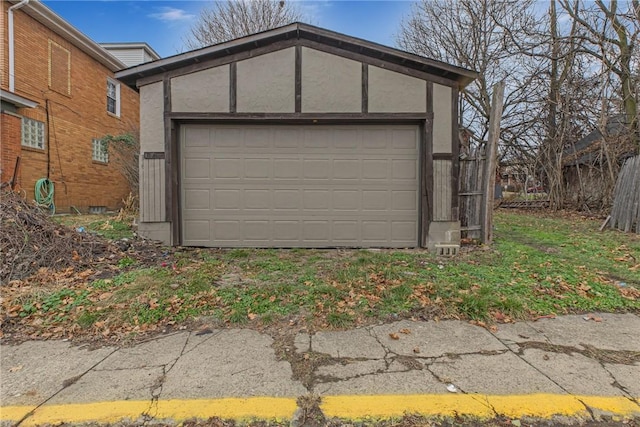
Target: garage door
[299, 186]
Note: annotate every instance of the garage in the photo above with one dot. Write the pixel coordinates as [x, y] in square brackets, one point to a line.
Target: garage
[299, 137]
[299, 186]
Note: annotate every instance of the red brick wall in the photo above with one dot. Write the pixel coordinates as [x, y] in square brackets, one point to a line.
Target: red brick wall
[10, 126]
[71, 120]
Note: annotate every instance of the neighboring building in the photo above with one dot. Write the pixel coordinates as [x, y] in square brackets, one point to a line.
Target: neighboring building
[585, 168]
[299, 137]
[133, 53]
[59, 97]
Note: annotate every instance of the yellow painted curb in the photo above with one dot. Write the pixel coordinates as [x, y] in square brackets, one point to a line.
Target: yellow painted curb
[107, 412]
[346, 407]
[476, 405]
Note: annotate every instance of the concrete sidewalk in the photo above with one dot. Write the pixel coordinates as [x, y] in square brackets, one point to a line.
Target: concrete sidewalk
[565, 366]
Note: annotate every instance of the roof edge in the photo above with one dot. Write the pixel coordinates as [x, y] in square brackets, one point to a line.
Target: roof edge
[17, 100]
[47, 17]
[295, 30]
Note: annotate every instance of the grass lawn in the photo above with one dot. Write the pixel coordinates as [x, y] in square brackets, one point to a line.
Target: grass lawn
[539, 265]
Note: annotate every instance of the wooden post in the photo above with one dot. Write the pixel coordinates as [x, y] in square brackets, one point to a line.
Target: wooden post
[490, 164]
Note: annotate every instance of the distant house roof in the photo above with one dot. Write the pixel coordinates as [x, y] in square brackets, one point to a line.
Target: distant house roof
[41, 13]
[115, 48]
[585, 151]
[300, 31]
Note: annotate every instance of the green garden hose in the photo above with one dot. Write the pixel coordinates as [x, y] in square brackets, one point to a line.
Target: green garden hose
[44, 194]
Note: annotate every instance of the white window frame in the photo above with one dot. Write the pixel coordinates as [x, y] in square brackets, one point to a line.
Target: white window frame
[99, 151]
[32, 134]
[117, 97]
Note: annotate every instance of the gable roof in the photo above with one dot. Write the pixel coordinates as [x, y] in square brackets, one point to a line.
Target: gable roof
[294, 31]
[41, 13]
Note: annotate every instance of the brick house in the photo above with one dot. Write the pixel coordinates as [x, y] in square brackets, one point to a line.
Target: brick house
[59, 97]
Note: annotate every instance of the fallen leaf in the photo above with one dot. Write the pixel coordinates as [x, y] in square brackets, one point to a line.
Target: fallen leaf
[546, 316]
[394, 336]
[252, 316]
[416, 350]
[105, 295]
[592, 317]
[405, 331]
[15, 368]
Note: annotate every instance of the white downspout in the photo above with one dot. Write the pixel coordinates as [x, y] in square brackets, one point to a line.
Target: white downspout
[12, 82]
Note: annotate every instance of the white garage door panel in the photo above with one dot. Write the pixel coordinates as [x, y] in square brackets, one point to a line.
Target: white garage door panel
[299, 186]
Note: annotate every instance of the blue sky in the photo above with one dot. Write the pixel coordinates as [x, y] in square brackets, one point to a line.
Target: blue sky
[163, 24]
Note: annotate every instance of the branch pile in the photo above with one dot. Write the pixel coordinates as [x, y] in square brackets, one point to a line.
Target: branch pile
[29, 240]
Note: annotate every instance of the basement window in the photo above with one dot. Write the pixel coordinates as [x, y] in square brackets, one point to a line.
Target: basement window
[32, 133]
[100, 153]
[113, 97]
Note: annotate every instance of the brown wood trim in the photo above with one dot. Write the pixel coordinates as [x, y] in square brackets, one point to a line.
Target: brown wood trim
[233, 87]
[298, 79]
[176, 224]
[224, 60]
[377, 62]
[168, 163]
[455, 151]
[156, 78]
[151, 155]
[442, 156]
[365, 88]
[428, 166]
[311, 117]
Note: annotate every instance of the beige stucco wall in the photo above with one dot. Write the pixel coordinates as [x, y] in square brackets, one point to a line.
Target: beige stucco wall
[151, 118]
[266, 83]
[442, 110]
[444, 232]
[204, 91]
[159, 231]
[391, 92]
[330, 84]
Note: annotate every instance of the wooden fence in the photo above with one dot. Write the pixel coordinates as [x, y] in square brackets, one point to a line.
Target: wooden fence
[471, 185]
[625, 214]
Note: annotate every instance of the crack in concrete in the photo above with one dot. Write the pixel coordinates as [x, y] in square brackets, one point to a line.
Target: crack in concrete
[158, 385]
[615, 357]
[619, 386]
[520, 354]
[211, 336]
[485, 401]
[588, 409]
[65, 384]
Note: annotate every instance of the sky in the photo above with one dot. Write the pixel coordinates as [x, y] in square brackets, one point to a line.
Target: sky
[164, 24]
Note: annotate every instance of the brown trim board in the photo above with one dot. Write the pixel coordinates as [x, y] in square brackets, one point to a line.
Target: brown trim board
[176, 228]
[298, 79]
[365, 88]
[233, 87]
[300, 117]
[455, 150]
[168, 163]
[224, 60]
[377, 62]
[427, 217]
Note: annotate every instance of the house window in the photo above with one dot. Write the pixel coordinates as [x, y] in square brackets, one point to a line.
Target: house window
[113, 97]
[32, 133]
[100, 153]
